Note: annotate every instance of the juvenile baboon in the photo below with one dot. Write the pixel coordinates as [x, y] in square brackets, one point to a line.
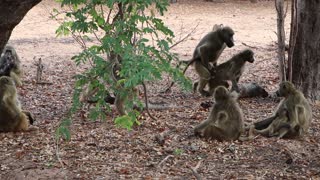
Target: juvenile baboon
[233, 68]
[12, 118]
[252, 90]
[295, 122]
[213, 83]
[225, 121]
[10, 64]
[279, 123]
[229, 70]
[112, 66]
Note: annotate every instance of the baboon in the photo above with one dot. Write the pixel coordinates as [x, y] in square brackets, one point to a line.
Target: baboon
[279, 123]
[225, 121]
[120, 99]
[252, 90]
[213, 83]
[10, 64]
[12, 117]
[208, 51]
[233, 68]
[229, 70]
[292, 117]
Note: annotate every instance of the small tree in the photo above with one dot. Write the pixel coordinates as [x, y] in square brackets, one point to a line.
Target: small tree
[128, 30]
[281, 14]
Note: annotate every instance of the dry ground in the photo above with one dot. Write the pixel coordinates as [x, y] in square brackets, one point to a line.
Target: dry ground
[99, 150]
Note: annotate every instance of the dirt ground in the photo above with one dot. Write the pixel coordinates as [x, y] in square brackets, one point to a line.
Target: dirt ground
[99, 150]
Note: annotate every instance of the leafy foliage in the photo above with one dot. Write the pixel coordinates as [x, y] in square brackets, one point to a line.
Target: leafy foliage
[118, 28]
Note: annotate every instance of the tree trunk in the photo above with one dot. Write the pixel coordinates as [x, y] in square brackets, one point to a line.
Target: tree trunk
[281, 39]
[11, 13]
[305, 48]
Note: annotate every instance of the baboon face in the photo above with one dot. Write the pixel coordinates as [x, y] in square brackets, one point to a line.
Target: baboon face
[227, 36]
[220, 93]
[5, 80]
[9, 57]
[249, 55]
[5, 84]
[284, 89]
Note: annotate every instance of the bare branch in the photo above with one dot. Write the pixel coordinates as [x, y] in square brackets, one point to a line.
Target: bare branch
[183, 39]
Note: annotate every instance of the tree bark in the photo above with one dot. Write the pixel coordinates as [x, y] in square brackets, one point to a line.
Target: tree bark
[11, 13]
[306, 48]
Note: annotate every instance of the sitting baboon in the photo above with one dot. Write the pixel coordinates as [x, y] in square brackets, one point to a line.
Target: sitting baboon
[279, 123]
[225, 121]
[292, 117]
[10, 64]
[12, 118]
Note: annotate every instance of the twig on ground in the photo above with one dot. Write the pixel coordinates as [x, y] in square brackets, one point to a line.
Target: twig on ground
[160, 138]
[194, 170]
[164, 160]
[57, 154]
[50, 83]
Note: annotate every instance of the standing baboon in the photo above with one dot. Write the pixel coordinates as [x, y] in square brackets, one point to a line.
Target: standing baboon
[225, 121]
[295, 122]
[10, 64]
[209, 50]
[12, 118]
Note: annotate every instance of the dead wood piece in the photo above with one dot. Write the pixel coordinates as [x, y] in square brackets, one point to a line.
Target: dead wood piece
[194, 170]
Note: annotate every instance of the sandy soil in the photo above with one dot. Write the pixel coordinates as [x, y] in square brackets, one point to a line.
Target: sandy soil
[99, 150]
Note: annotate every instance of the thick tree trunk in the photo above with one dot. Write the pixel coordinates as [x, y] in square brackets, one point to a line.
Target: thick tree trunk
[11, 13]
[306, 49]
